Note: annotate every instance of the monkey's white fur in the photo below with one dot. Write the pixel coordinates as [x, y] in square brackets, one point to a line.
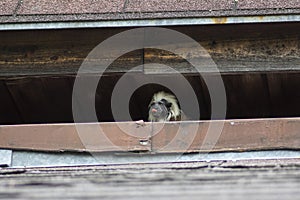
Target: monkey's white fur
[174, 110]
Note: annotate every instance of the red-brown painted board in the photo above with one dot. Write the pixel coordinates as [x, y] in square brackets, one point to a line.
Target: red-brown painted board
[172, 137]
[104, 137]
[236, 135]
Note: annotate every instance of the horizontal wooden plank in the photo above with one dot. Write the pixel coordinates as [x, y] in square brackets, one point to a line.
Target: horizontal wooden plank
[172, 137]
[236, 135]
[68, 137]
[234, 49]
[228, 56]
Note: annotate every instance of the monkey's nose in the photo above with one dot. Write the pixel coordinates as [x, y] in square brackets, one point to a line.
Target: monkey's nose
[153, 110]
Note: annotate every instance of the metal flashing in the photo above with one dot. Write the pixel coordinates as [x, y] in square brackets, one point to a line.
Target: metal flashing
[151, 22]
[44, 159]
[5, 158]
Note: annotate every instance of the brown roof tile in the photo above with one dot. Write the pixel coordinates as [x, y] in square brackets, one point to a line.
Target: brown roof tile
[263, 4]
[177, 5]
[70, 7]
[7, 7]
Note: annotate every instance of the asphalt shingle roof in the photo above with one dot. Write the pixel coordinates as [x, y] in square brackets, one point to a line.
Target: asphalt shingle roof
[12, 11]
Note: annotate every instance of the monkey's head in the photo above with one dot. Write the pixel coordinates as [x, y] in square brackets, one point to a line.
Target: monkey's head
[163, 107]
[160, 110]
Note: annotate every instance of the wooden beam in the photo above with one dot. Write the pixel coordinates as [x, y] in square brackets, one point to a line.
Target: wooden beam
[68, 137]
[236, 135]
[234, 49]
[172, 137]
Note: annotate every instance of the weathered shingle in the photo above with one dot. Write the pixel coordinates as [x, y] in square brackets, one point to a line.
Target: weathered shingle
[30, 7]
[19, 11]
[176, 5]
[7, 7]
[273, 4]
[193, 181]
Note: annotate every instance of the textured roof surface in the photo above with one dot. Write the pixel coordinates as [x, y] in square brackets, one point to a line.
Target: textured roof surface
[29, 7]
[8, 7]
[264, 179]
[76, 10]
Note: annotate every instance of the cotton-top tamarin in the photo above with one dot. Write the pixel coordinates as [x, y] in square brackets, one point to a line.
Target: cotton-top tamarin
[164, 107]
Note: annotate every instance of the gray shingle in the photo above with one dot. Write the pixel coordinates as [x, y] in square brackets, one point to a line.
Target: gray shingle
[7, 7]
[30, 7]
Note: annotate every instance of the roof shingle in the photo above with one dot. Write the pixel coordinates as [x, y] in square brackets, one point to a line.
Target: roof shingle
[33, 7]
[176, 5]
[7, 7]
[270, 4]
[33, 11]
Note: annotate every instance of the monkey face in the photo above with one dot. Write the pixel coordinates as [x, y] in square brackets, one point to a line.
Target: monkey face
[160, 110]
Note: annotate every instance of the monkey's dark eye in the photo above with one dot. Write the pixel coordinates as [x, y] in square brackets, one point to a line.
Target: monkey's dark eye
[168, 104]
[164, 101]
[152, 104]
[160, 103]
